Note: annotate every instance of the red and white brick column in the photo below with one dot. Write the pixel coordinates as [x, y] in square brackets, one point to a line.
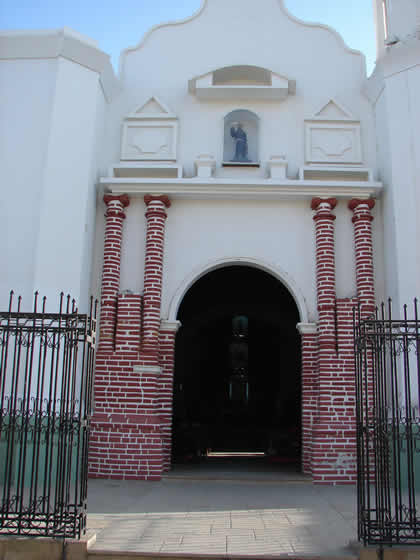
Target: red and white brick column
[127, 331]
[325, 270]
[164, 403]
[153, 270]
[362, 221]
[309, 345]
[334, 434]
[111, 270]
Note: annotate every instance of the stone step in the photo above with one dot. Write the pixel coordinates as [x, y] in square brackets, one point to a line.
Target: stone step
[113, 555]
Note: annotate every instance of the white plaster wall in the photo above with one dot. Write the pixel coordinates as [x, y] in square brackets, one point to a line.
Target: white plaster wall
[51, 115]
[200, 235]
[400, 167]
[66, 204]
[402, 17]
[242, 32]
[27, 91]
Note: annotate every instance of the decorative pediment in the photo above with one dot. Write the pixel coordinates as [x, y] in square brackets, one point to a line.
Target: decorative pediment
[333, 136]
[333, 111]
[150, 133]
[153, 108]
[242, 82]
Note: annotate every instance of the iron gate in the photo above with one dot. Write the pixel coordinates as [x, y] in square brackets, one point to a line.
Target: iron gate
[46, 369]
[387, 356]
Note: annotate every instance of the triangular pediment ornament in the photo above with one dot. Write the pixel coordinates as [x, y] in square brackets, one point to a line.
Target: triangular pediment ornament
[152, 108]
[333, 111]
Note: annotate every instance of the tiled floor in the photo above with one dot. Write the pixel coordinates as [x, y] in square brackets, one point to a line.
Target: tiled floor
[223, 516]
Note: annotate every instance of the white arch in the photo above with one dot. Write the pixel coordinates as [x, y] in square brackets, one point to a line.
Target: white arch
[270, 268]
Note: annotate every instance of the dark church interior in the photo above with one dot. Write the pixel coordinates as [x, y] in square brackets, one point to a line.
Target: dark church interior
[237, 370]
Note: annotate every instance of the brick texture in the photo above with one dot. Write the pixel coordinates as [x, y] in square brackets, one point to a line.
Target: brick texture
[310, 395]
[132, 421]
[111, 269]
[131, 424]
[362, 222]
[165, 398]
[155, 235]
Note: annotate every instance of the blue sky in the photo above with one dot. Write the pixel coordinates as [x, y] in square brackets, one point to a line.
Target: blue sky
[117, 25]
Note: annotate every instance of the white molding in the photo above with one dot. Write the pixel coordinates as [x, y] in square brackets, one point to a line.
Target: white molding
[349, 155]
[346, 171]
[150, 370]
[209, 266]
[55, 43]
[157, 169]
[348, 115]
[205, 164]
[166, 112]
[277, 167]
[172, 326]
[279, 89]
[247, 189]
[132, 126]
[307, 328]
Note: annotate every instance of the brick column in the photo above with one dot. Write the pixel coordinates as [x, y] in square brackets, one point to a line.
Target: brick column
[325, 270]
[166, 394]
[153, 269]
[111, 270]
[309, 336]
[362, 220]
[127, 331]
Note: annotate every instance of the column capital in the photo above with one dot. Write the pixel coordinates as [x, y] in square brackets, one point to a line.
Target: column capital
[355, 202]
[323, 208]
[122, 198]
[324, 202]
[157, 198]
[307, 328]
[361, 209]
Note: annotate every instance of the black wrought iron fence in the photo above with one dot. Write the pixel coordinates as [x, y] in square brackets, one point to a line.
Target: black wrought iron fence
[46, 371]
[387, 356]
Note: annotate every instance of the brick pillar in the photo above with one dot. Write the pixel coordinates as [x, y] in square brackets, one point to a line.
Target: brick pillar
[127, 332]
[111, 270]
[166, 390]
[309, 336]
[153, 269]
[325, 431]
[325, 270]
[362, 220]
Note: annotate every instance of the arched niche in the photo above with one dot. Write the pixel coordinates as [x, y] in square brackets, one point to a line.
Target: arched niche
[241, 131]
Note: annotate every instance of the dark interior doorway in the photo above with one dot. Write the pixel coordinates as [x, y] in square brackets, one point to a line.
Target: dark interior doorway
[225, 406]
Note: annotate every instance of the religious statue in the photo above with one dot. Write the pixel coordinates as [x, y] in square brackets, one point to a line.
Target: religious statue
[241, 142]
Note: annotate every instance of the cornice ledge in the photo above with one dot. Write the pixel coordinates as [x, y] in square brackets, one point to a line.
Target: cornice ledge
[228, 188]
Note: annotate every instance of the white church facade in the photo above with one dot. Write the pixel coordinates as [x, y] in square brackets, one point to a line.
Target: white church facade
[231, 197]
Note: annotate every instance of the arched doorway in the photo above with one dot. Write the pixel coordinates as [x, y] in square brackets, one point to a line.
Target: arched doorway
[220, 408]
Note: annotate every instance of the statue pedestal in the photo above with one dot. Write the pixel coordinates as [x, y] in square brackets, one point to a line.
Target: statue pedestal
[277, 166]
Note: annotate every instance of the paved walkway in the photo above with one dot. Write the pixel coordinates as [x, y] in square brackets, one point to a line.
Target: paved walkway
[217, 515]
